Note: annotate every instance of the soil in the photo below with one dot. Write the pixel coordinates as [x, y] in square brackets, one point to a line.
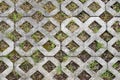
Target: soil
[84, 56]
[107, 75]
[38, 16]
[49, 66]
[105, 1]
[72, 26]
[60, 1]
[49, 26]
[37, 56]
[72, 66]
[15, 1]
[72, 6]
[26, 46]
[94, 26]
[94, 6]
[116, 7]
[61, 16]
[107, 56]
[15, 16]
[61, 76]
[37, 76]
[26, 26]
[95, 46]
[49, 46]
[13, 76]
[13, 56]
[84, 76]
[3, 7]
[3, 46]
[95, 66]
[26, 66]
[3, 26]
[61, 36]
[83, 1]
[37, 36]
[116, 45]
[83, 16]
[26, 6]
[49, 7]
[83, 36]
[14, 36]
[106, 16]
[38, 1]
[3, 66]
[116, 26]
[72, 46]
[106, 36]
[61, 56]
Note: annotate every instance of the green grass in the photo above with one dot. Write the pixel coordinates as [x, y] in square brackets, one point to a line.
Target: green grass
[99, 45]
[93, 65]
[59, 70]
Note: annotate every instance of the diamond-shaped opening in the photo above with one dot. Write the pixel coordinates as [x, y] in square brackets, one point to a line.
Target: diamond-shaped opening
[49, 66]
[84, 76]
[13, 76]
[3, 6]
[105, 1]
[3, 26]
[61, 76]
[84, 56]
[60, 1]
[37, 56]
[95, 45]
[26, 26]
[106, 36]
[38, 16]
[37, 36]
[95, 66]
[3, 66]
[49, 7]
[116, 45]
[61, 56]
[13, 56]
[26, 66]
[83, 1]
[116, 6]
[49, 26]
[26, 45]
[116, 26]
[61, 36]
[94, 6]
[107, 75]
[83, 36]
[37, 76]
[3, 46]
[106, 16]
[72, 26]
[26, 6]
[60, 16]
[38, 1]
[117, 66]
[72, 46]
[14, 1]
[15, 16]
[107, 56]
[49, 45]
[72, 6]
[83, 16]
[72, 66]
[14, 36]
[94, 26]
